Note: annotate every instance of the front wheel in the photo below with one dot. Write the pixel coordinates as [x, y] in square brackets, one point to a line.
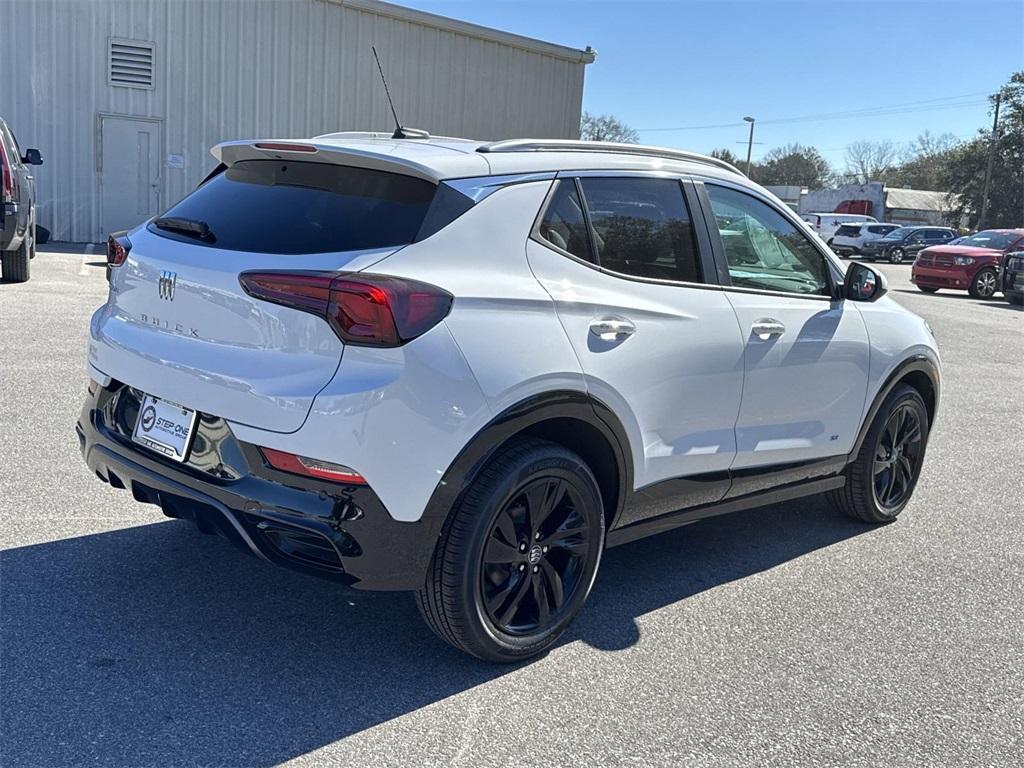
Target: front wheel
[518, 556]
[881, 480]
[984, 284]
[896, 256]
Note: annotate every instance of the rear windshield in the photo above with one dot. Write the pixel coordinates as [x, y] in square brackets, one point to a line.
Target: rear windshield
[848, 230]
[270, 206]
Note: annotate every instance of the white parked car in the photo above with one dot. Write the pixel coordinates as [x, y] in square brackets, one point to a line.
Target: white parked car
[849, 239]
[826, 224]
[464, 369]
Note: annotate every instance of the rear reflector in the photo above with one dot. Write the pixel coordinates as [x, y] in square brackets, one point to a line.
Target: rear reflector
[303, 465]
[367, 310]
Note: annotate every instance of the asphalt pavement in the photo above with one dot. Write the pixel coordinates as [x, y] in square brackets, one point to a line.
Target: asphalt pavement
[787, 635]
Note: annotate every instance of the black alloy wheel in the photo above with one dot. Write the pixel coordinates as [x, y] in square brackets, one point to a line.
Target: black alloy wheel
[881, 478]
[534, 559]
[518, 554]
[898, 457]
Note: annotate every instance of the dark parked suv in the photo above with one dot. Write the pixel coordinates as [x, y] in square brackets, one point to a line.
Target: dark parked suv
[17, 207]
[903, 244]
[1013, 278]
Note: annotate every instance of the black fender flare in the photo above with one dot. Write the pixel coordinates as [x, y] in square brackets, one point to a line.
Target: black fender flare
[917, 364]
[548, 406]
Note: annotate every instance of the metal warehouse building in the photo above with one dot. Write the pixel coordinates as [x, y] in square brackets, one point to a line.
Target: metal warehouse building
[125, 97]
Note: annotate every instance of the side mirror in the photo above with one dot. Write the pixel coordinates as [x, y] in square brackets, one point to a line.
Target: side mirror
[862, 283]
[32, 157]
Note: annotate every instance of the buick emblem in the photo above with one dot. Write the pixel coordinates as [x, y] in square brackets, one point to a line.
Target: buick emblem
[166, 285]
[536, 553]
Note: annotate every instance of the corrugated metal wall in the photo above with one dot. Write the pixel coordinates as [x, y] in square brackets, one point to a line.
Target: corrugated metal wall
[228, 69]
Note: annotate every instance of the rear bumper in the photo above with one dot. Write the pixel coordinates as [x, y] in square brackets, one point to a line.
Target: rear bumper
[941, 277]
[845, 250]
[341, 532]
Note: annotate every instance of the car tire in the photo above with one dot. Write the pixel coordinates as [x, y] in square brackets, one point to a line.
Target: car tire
[985, 284]
[881, 479]
[502, 600]
[32, 249]
[927, 289]
[896, 255]
[15, 264]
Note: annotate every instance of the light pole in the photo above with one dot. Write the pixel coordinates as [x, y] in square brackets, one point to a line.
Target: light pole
[750, 142]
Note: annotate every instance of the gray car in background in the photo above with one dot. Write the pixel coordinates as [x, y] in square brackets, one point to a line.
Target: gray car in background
[17, 207]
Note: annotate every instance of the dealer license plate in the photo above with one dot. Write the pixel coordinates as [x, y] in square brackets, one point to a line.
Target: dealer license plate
[164, 427]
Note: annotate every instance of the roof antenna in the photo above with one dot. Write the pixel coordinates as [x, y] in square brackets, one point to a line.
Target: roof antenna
[400, 132]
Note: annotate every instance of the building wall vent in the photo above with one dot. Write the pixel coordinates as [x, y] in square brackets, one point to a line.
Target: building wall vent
[130, 63]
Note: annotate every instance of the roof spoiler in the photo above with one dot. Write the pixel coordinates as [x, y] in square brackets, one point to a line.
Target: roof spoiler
[231, 152]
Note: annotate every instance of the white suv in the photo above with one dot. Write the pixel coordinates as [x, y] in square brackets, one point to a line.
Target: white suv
[465, 369]
[849, 238]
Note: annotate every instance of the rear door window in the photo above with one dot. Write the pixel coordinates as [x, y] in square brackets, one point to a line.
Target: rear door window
[642, 228]
[270, 206]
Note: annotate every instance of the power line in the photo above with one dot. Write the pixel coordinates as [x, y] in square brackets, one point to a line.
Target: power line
[926, 105]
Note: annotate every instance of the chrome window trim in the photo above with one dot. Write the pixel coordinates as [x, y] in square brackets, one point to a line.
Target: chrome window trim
[478, 188]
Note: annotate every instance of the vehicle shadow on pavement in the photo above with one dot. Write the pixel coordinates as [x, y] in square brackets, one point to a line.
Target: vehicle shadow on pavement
[156, 645]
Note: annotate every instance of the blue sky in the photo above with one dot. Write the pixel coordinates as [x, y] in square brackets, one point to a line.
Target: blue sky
[683, 64]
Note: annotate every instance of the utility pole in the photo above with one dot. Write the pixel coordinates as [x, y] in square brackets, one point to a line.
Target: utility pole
[993, 139]
[750, 142]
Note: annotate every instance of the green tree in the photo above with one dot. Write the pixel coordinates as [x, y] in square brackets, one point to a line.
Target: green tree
[964, 173]
[795, 165]
[727, 155]
[606, 128]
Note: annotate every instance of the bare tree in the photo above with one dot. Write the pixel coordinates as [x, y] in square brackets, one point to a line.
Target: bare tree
[868, 161]
[606, 128]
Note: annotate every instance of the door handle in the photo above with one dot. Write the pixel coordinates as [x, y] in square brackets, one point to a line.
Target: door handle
[612, 328]
[766, 327]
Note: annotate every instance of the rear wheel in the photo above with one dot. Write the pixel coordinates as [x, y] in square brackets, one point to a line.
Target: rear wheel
[517, 558]
[927, 289]
[14, 264]
[896, 255]
[984, 284]
[881, 480]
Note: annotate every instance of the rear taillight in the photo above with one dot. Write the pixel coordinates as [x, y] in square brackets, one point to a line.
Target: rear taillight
[368, 310]
[8, 176]
[303, 465]
[118, 247]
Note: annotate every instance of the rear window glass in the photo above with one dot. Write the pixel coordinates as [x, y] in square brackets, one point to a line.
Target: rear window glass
[642, 228]
[563, 224]
[848, 230]
[270, 206]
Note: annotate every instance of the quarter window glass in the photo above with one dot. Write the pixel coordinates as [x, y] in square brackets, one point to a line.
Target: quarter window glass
[642, 228]
[564, 225]
[763, 248]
